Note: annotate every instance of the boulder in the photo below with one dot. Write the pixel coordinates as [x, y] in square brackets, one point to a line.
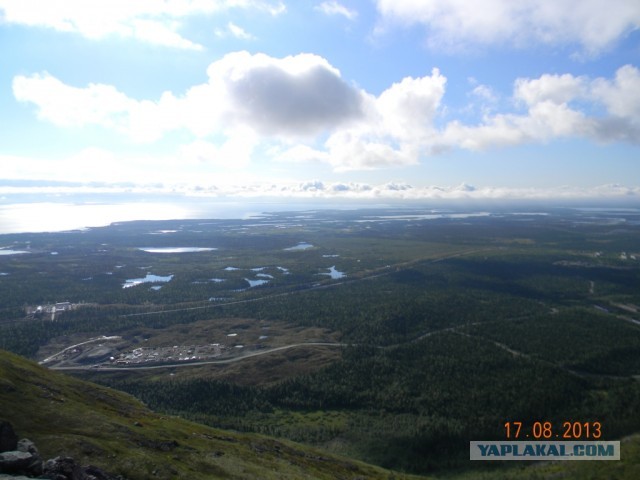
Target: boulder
[66, 468]
[15, 462]
[95, 473]
[8, 438]
[21, 459]
[26, 445]
[63, 468]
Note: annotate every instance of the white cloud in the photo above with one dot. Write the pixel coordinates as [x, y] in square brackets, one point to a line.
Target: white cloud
[336, 8]
[543, 122]
[408, 108]
[298, 154]
[239, 32]
[66, 106]
[594, 25]
[151, 21]
[292, 96]
[160, 34]
[301, 95]
[553, 105]
[485, 93]
[301, 110]
[349, 151]
[555, 88]
[621, 96]
[91, 164]
[197, 163]
[395, 130]
[235, 153]
[235, 31]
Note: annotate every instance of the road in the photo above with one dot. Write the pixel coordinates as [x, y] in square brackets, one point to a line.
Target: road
[364, 276]
[204, 362]
[102, 338]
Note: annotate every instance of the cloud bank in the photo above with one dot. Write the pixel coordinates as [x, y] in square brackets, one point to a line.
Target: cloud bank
[313, 189]
[592, 25]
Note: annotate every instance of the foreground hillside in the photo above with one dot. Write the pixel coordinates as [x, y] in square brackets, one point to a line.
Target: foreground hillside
[111, 430]
[627, 468]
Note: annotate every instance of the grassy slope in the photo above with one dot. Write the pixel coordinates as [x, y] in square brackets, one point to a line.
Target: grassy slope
[628, 468]
[66, 416]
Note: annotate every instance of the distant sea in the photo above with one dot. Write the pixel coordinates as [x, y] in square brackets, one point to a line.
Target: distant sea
[67, 214]
[25, 214]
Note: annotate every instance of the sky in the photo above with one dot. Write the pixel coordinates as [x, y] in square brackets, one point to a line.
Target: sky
[378, 99]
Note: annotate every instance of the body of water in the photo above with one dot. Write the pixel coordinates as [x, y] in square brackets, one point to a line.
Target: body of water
[78, 214]
[148, 279]
[8, 251]
[177, 249]
[301, 246]
[334, 274]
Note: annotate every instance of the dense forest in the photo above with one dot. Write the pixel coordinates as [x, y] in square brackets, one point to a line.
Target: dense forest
[447, 327]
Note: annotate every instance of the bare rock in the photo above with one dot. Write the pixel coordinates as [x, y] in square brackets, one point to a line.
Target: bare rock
[21, 460]
[63, 468]
[26, 445]
[15, 462]
[66, 468]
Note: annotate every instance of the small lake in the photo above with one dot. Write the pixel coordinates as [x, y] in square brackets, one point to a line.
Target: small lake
[148, 279]
[255, 283]
[8, 251]
[301, 246]
[176, 249]
[334, 274]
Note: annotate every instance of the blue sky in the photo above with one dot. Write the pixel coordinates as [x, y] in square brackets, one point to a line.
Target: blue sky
[342, 99]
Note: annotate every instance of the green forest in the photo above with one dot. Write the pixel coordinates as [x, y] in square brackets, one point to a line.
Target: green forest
[444, 329]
